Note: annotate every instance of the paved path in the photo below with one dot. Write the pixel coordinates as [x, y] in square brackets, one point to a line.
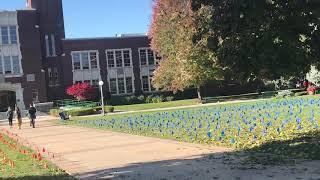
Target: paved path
[91, 154]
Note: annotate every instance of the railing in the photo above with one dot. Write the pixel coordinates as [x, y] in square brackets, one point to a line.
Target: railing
[266, 94]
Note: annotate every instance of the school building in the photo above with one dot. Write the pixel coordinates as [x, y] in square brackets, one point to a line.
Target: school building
[38, 63]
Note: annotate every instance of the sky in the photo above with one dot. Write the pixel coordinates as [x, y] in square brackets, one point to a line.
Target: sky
[99, 18]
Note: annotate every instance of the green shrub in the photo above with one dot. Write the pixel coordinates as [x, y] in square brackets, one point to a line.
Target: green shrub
[109, 109]
[157, 99]
[130, 99]
[169, 98]
[303, 93]
[149, 99]
[81, 112]
[142, 99]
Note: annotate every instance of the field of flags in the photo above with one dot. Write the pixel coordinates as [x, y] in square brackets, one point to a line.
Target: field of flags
[243, 125]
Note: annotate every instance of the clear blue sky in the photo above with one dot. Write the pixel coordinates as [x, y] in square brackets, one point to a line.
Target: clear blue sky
[99, 18]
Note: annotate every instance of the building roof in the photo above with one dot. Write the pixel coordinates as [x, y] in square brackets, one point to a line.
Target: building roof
[117, 36]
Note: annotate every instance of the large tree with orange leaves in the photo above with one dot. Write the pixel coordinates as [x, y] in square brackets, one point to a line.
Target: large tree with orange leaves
[186, 62]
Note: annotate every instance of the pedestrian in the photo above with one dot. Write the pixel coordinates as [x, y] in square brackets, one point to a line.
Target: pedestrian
[10, 116]
[32, 115]
[19, 117]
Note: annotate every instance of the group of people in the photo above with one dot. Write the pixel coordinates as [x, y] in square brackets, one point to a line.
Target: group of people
[31, 114]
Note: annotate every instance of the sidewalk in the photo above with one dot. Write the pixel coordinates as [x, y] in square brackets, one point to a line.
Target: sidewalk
[92, 154]
[27, 120]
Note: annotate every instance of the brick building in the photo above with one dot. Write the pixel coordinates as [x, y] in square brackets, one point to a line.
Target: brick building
[37, 61]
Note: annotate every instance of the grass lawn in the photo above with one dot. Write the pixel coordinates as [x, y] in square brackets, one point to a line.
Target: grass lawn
[285, 127]
[138, 107]
[18, 162]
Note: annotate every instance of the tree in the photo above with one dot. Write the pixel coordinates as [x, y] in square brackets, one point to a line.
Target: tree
[186, 63]
[81, 91]
[264, 39]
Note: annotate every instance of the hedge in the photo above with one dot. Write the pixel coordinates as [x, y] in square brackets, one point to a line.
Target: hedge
[108, 109]
[75, 112]
[81, 112]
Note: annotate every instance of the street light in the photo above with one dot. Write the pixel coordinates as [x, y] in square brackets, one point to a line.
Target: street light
[102, 101]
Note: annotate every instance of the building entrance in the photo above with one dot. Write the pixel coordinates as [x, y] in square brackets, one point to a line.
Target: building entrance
[7, 98]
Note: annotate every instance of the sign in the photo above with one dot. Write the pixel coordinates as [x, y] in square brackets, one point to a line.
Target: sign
[31, 78]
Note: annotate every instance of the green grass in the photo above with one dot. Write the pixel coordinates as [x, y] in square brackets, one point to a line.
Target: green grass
[138, 107]
[25, 166]
[282, 127]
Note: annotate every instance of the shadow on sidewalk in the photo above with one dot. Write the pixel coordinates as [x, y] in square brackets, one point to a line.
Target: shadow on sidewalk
[298, 158]
[294, 159]
[62, 177]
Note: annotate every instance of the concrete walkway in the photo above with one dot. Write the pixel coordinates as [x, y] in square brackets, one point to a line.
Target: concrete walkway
[92, 154]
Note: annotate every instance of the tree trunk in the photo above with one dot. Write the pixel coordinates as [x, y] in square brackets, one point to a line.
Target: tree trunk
[199, 93]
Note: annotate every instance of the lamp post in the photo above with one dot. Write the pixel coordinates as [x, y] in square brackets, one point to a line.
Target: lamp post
[102, 101]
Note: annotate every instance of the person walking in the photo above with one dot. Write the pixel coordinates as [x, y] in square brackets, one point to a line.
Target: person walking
[19, 117]
[32, 115]
[10, 116]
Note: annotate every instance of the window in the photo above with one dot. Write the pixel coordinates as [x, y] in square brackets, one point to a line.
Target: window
[145, 83]
[93, 60]
[126, 58]
[129, 85]
[147, 57]
[152, 88]
[150, 57]
[47, 45]
[76, 61]
[95, 83]
[113, 86]
[1, 65]
[85, 60]
[53, 76]
[78, 82]
[7, 65]
[31, 77]
[4, 35]
[10, 65]
[119, 58]
[53, 45]
[9, 35]
[110, 58]
[16, 64]
[86, 81]
[121, 86]
[143, 57]
[13, 34]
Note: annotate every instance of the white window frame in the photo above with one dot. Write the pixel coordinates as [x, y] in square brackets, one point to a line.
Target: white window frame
[11, 62]
[16, 33]
[8, 32]
[125, 85]
[53, 45]
[81, 66]
[147, 57]
[114, 57]
[149, 89]
[46, 37]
